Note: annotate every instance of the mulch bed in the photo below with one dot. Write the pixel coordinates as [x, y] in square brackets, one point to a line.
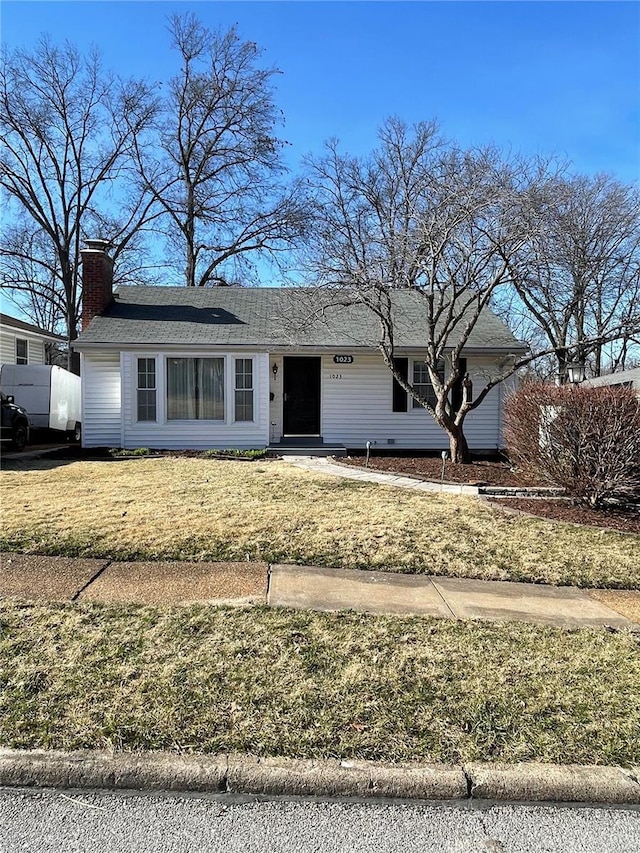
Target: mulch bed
[625, 521]
[486, 472]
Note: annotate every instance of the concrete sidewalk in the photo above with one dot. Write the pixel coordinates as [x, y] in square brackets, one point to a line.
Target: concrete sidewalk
[37, 578]
[316, 588]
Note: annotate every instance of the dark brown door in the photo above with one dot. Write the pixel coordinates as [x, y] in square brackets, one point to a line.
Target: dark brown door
[301, 407]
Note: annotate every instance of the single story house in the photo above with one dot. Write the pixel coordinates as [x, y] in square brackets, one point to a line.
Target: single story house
[23, 343]
[620, 379]
[222, 367]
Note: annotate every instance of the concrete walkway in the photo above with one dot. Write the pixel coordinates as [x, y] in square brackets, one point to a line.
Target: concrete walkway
[322, 465]
[37, 578]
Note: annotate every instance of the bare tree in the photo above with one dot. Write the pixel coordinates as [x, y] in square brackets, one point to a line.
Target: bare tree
[217, 169]
[68, 129]
[419, 215]
[578, 278]
[31, 276]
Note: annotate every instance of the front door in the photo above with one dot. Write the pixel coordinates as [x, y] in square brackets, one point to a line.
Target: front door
[301, 407]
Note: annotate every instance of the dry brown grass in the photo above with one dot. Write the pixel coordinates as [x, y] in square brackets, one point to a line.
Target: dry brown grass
[211, 510]
[276, 682]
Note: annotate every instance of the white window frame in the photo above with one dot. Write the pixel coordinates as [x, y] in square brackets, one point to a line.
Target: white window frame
[235, 359]
[136, 359]
[129, 366]
[22, 359]
[415, 405]
[165, 388]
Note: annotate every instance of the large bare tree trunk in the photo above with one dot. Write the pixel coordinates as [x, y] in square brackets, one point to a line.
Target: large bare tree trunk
[458, 447]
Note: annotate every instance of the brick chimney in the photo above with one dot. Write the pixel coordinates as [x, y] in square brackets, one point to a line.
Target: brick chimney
[97, 279]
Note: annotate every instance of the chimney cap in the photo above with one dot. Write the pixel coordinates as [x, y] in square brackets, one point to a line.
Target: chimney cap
[97, 245]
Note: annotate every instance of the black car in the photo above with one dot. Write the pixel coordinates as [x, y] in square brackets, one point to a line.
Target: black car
[15, 424]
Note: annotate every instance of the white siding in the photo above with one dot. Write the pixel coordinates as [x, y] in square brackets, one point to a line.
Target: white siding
[35, 346]
[357, 403]
[275, 404]
[195, 434]
[357, 407]
[100, 399]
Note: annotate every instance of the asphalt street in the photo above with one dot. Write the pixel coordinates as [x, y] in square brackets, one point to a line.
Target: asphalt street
[74, 821]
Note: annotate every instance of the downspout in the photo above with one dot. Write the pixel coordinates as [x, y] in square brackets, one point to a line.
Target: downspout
[122, 399]
[500, 418]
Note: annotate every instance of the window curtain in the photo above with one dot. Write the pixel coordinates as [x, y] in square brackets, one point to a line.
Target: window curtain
[181, 389]
[195, 389]
[211, 386]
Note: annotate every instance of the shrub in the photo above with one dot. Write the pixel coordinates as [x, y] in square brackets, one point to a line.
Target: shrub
[584, 439]
[240, 454]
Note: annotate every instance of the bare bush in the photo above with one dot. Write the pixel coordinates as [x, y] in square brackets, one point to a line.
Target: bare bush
[586, 440]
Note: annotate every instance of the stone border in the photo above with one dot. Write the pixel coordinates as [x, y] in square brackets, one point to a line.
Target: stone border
[470, 489]
[242, 774]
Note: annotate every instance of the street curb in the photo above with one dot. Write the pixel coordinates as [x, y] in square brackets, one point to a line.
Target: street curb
[243, 774]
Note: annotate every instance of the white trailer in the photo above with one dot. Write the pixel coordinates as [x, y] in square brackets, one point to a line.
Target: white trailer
[50, 394]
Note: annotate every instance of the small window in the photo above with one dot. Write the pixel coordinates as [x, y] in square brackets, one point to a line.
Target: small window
[422, 383]
[244, 389]
[146, 389]
[22, 351]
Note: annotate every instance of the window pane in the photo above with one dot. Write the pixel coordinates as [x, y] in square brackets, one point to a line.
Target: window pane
[146, 389]
[422, 383]
[146, 373]
[195, 389]
[244, 389]
[420, 373]
[181, 389]
[244, 405]
[22, 351]
[244, 373]
[146, 405]
[211, 388]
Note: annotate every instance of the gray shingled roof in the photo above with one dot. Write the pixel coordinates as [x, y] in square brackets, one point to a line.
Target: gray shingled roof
[265, 317]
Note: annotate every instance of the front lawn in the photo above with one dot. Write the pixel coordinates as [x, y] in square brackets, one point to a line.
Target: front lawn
[206, 509]
[276, 682]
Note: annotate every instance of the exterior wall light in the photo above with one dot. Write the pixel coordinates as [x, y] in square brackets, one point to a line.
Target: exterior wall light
[575, 372]
[274, 369]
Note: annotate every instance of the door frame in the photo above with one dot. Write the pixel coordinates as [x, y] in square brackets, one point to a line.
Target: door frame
[315, 370]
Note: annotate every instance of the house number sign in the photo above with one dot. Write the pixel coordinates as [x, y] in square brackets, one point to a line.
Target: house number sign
[343, 359]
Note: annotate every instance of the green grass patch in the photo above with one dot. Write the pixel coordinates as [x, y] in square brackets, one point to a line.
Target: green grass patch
[276, 682]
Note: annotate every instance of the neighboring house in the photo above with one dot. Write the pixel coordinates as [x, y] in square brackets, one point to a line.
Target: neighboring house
[22, 343]
[622, 378]
[178, 367]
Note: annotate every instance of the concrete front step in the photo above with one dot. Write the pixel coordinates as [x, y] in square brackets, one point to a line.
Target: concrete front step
[307, 450]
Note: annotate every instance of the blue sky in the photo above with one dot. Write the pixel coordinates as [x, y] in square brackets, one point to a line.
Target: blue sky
[538, 77]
